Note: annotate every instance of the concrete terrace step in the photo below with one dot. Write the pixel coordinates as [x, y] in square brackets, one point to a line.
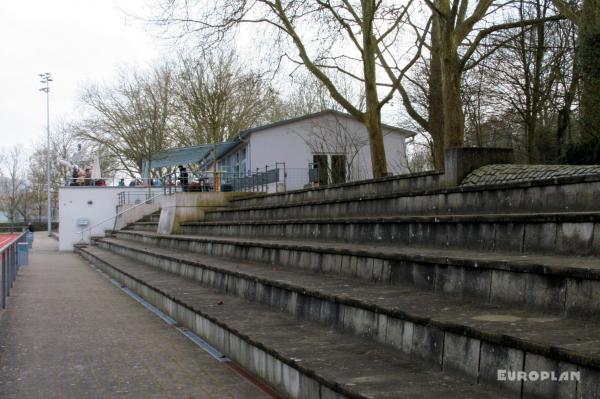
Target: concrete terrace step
[387, 185]
[442, 327]
[564, 285]
[143, 226]
[562, 233]
[299, 358]
[581, 190]
[153, 218]
[524, 198]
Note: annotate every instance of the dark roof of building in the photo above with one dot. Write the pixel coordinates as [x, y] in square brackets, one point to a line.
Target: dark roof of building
[186, 155]
[338, 114]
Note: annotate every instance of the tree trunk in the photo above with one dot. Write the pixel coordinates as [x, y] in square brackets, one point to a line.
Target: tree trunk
[564, 114]
[378, 160]
[454, 124]
[454, 119]
[436, 105]
[372, 117]
[536, 93]
[589, 54]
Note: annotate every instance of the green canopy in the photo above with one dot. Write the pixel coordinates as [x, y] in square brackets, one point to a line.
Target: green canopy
[186, 155]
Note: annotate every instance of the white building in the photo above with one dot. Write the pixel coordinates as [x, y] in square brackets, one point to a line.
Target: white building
[86, 211]
[333, 142]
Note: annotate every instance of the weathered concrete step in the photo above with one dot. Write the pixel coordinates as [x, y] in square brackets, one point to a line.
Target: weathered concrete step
[298, 358]
[360, 307]
[387, 185]
[563, 285]
[143, 226]
[152, 218]
[578, 197]
[562, 233]
[569, 189]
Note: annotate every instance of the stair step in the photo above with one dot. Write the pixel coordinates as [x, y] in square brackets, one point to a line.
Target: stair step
[299, 358]
[564, 285]
[362, 308]
[387, 185]
[143, 226]
[545, 191]
[562, 233]
[520, 199]
[152, 218]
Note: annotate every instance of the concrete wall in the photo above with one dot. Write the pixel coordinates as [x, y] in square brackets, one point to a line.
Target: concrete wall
[182, 207]
[95, 204]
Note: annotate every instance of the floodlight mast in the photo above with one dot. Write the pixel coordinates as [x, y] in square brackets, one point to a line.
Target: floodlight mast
[45, 79]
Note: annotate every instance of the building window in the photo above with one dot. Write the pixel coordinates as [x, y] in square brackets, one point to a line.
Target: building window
[338, 169]
[331, 167]
[320, 162]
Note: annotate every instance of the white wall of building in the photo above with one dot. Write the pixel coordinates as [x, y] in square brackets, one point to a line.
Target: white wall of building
[295, 143]
[282, 144]
[395, 154]
[92, 204]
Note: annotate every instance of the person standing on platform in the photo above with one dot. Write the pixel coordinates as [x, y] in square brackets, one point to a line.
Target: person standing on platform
[183, 178]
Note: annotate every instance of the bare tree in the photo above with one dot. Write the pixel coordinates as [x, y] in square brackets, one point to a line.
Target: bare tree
[14, 199]
[336, 137]
[217, 97]
[586, 15]
[532, 78]
[457, 31]
[132, 120]
[351, 39]
[309, 95]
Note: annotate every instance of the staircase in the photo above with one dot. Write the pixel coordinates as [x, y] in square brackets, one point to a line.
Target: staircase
[390, 288]
[147, 223]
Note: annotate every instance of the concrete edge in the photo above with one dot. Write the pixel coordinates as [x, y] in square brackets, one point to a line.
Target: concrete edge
[125, 278]
[519, 266]
[557, 181]
[551, 352]
[554, 217]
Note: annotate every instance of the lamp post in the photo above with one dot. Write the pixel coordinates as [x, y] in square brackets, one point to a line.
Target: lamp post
[45, 79]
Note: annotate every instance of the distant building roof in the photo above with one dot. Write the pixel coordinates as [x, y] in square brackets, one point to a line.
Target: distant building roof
[186, 155]
[247, 132]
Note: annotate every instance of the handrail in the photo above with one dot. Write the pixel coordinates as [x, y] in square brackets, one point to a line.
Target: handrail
[116, 216]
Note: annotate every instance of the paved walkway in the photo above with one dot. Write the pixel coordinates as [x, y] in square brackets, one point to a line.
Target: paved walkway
[67, 332]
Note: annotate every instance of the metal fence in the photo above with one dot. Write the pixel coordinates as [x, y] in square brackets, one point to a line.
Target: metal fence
[272, 178]
[134, 197]
[113, 182]
[10, 265]
[267, 179]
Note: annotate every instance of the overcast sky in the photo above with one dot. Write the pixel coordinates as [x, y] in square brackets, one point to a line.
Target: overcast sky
[77, 41]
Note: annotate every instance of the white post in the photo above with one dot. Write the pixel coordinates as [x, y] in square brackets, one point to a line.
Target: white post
[46, 79]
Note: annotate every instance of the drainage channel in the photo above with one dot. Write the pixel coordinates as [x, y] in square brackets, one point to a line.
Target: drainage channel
[205, 346]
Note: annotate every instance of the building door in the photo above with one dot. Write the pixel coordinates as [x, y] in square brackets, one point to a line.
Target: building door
[331, 168]
[338, 169]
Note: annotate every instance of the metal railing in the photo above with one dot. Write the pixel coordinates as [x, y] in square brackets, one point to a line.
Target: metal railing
[113, 182]
[90, 228]
[271, 178]
[10, 265]
[134, 197]
[267, 179]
